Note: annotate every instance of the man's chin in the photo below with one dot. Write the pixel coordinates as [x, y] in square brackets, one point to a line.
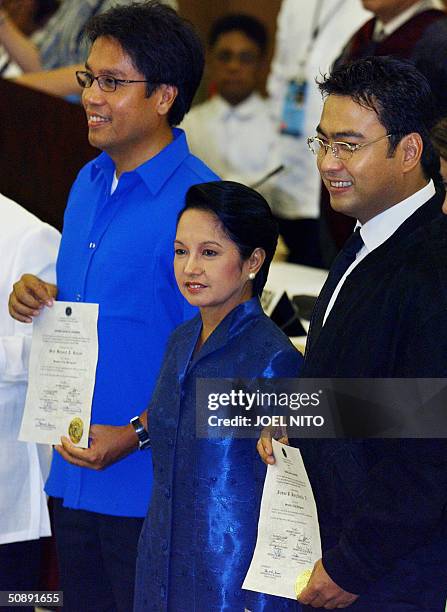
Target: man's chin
[234, 96]
[343, 208]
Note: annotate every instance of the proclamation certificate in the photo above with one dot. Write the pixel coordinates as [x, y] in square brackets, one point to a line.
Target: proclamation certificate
[288, 541]
[64, 354]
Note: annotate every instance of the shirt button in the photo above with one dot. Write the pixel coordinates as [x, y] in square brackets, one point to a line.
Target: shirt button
[163, 591]
[164, 545]
[168, 493]
[92, 245]
[78, 297]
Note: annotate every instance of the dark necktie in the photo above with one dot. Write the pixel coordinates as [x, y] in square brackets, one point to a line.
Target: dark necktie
[342, 262]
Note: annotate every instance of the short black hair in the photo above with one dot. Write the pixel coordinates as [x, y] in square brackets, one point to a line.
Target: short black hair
[244, 216]
[250, 26]
[163, 46]
[398, 93]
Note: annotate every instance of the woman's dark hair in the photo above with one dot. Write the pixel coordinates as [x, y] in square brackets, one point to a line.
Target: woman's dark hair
[400, 96]
[245, 217]
[163, 46]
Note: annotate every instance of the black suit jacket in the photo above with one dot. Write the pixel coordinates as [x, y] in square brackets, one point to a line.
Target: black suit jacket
[382, 503]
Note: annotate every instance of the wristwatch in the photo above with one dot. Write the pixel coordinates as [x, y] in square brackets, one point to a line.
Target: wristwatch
[143, 437]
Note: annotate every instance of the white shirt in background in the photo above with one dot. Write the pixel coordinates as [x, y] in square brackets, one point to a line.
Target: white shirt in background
[297, 189]
[238, 142]
[27, 245]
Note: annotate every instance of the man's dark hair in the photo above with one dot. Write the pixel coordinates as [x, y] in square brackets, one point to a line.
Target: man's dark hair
[400, 96]
[244, 216]
[251, 27]
[163, 46]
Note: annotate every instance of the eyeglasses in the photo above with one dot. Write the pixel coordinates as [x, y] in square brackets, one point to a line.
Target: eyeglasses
[105, 82]
[246, 58]
[340, 150]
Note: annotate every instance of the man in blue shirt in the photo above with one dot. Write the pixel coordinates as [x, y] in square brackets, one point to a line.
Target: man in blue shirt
[140, 77]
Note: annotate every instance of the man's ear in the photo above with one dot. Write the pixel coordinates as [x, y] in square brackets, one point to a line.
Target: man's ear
[411, 146]
[167, 96]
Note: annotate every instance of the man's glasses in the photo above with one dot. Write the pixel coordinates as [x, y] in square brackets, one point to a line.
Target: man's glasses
[340, 150]
[105, 82]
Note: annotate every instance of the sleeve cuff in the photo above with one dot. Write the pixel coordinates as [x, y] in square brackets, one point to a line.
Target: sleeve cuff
[348, 571]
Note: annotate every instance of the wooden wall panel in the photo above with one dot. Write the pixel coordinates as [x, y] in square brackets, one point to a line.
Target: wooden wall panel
[43, 145]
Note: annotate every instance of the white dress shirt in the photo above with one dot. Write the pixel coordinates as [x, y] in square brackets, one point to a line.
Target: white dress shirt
[27, 245]
[297, 189]
[238, 142]
[381, 227]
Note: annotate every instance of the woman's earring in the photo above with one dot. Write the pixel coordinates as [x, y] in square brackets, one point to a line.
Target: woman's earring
[251, 276]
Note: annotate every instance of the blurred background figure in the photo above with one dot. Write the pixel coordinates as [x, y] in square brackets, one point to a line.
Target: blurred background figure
[415, 30]
[58, 48]
[234, 131]
[26, 17]
[27, 244]
[439, 139]
[310, 36]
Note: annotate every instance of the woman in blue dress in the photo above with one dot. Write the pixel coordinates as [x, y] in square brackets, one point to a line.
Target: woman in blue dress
[199, 535]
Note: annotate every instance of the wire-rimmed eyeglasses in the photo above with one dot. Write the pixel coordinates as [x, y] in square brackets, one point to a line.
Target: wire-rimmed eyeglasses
[105, 82]
[340, 150]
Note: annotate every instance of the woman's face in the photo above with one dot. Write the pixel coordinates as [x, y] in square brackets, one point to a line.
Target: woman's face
[208, 267]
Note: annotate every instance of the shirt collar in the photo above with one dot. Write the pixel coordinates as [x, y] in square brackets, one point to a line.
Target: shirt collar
[157, 170]
[390, 27]
[244, 110]
[378, 229]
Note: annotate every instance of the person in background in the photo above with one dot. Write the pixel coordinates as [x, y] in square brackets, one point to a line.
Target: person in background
[50, 57]
[27, 244]
[199, 535]
[408, 29]
[141, 74]
[439, 138]
[310, 36]
[233, 131]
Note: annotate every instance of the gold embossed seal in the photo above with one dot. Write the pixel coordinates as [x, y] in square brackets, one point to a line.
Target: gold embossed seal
[301, 581]
[75, 430]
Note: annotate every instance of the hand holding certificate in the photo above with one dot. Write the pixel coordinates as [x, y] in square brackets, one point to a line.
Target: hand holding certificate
[288, 541]
[64, 354]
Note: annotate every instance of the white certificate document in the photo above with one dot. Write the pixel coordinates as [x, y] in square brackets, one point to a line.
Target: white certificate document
[62, 368]
[288, 540]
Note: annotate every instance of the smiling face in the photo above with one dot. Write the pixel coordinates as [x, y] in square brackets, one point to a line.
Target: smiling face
[370, 181]
[125, 123]
[235, 65]
[208, 267]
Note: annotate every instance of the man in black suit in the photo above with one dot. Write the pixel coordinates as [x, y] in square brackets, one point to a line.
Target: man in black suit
[381, 314]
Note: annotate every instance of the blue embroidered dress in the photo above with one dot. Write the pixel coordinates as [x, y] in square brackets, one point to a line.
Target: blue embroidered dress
[199, 535]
